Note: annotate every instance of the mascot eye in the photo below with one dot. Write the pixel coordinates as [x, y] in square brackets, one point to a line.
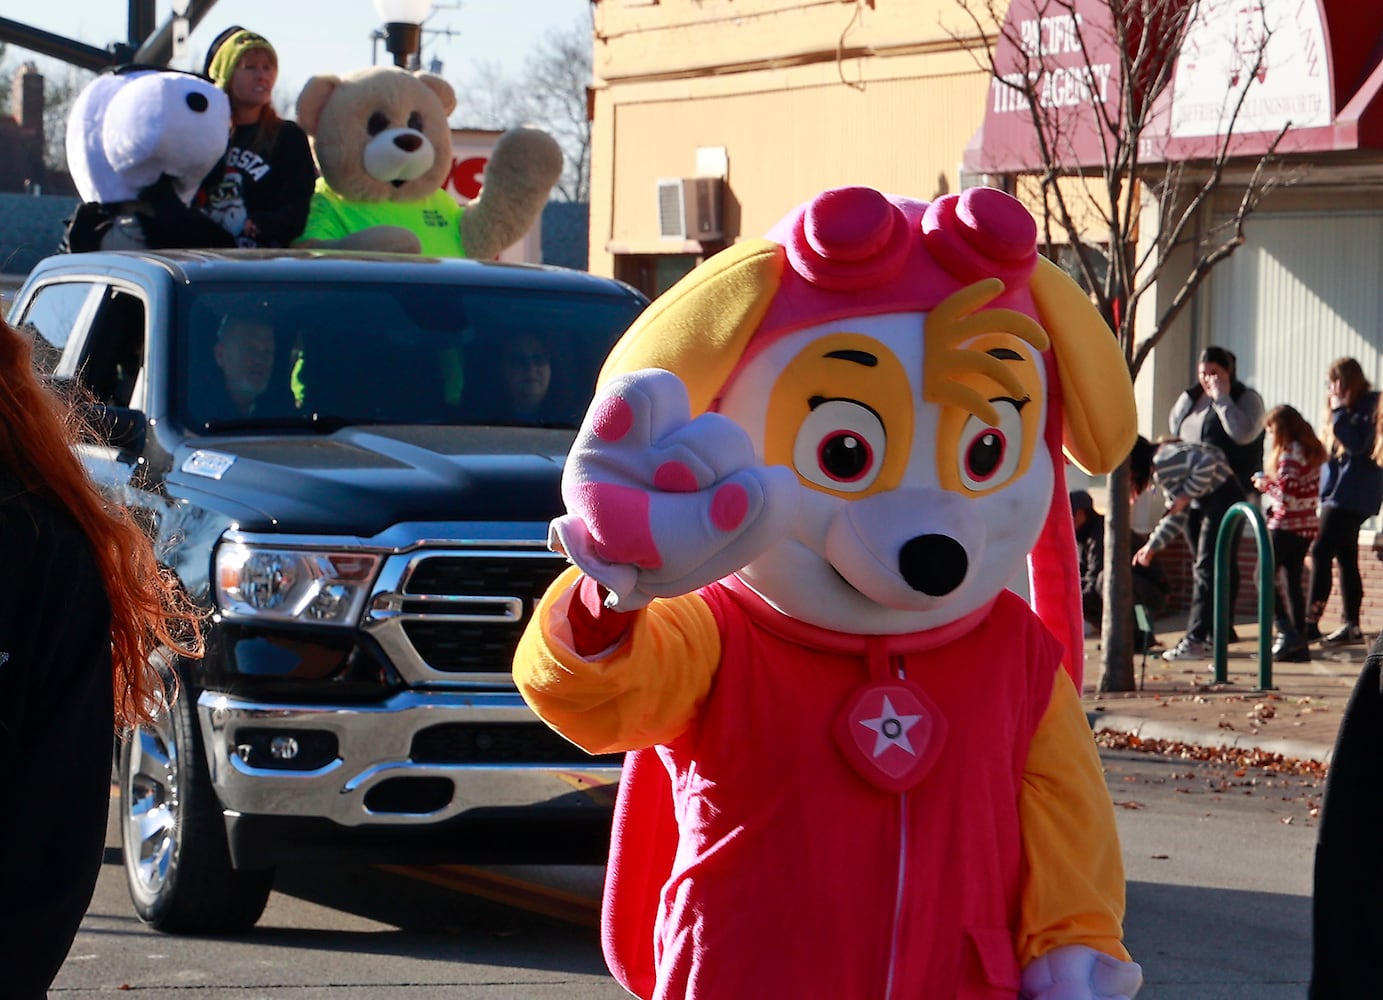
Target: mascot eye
[415, 122]
[989, 455]
[839, 446]
[377, 123]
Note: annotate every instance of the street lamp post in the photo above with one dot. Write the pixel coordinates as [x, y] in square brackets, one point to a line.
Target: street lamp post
[403, 27]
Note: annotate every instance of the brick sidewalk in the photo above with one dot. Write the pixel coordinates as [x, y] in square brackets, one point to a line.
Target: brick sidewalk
[1179, 701]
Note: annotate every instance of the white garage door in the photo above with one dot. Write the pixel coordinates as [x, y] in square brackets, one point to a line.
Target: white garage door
[1305, 289]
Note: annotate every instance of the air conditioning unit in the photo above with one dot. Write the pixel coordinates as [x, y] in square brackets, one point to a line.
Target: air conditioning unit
[689, 208]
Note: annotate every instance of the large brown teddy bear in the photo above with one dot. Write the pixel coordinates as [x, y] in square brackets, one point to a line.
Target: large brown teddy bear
[383, 149]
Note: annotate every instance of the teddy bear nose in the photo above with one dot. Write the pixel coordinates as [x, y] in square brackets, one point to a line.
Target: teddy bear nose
[408, 142]
[197, 102]
[933, 564]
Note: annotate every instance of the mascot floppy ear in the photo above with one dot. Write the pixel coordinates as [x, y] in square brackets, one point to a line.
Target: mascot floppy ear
[712, 317]
[1097, 427]
[1100, 423]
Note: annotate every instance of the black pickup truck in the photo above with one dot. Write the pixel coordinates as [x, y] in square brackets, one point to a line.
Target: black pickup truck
[350, 461]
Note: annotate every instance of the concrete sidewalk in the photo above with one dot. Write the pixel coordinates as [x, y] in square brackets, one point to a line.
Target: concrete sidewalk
[1296, 717]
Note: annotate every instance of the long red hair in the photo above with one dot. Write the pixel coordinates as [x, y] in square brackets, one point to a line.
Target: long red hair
[148, 609]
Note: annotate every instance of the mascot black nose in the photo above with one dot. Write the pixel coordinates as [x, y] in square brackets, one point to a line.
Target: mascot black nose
[197, 102]
[933, 564]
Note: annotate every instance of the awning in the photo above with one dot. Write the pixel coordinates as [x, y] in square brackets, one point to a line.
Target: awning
[1319, 75]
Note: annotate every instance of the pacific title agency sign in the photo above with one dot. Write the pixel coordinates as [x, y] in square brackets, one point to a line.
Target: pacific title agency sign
[1066, 54]
[1062, 53]
[1054, 40]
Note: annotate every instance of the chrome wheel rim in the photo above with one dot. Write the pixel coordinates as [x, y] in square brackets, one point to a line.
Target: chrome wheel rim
[149, 799]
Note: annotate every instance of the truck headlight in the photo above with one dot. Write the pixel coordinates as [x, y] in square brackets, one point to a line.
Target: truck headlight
[329, 588]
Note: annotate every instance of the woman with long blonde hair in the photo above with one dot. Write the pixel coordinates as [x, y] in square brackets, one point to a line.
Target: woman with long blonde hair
[83, 608]
[1351, 491]
[1292, 483]
[262, 190]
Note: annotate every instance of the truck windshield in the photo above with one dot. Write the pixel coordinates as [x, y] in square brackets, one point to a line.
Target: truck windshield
[287, 355]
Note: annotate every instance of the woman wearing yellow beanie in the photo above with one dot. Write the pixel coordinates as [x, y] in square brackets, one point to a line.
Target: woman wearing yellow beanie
[261, 190]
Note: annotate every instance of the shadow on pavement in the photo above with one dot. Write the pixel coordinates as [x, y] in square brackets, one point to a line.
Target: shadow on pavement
[1208, 943]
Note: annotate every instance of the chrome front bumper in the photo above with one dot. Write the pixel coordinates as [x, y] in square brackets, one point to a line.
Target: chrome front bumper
[373, 744]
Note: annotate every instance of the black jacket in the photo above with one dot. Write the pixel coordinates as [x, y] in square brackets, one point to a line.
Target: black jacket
[274, 188]
[163, 222]
[56, 712]
[1346, 925]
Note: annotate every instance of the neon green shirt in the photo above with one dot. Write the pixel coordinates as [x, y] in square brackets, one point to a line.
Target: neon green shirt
[435, 219]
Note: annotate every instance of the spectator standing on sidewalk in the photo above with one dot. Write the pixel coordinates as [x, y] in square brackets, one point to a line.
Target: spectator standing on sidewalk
[83, 604]
[1221, 410]
[1351, 491]
[1199, 487]
[261, 190]
[1293, 488]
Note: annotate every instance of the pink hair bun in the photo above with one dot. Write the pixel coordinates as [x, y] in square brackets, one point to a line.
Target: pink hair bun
[981, 233]
[849, 238]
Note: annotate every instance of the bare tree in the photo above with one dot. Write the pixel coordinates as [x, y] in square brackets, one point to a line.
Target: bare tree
[556, 80]
[58, 94]
[59, 91]
[1092, 80]
[491, 99]
[550, 93]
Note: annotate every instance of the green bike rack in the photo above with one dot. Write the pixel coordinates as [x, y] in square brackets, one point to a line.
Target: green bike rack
[1250, 513]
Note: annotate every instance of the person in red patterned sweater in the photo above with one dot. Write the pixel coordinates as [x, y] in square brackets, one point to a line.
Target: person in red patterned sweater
[1293, 488]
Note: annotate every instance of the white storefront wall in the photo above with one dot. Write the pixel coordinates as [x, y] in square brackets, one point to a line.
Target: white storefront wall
[1304, 289]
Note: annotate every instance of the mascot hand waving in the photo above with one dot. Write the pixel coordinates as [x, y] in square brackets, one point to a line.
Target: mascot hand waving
[857, 767]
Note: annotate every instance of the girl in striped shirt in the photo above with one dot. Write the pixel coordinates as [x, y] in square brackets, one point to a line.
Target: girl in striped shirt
[1293, 487]
[1199, 488]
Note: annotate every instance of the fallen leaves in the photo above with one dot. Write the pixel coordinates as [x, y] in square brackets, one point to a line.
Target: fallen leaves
[1239, 757]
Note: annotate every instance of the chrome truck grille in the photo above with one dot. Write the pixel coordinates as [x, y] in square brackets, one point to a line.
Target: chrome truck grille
[454, 617]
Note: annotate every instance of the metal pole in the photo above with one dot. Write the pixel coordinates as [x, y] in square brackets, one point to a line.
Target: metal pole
[1266, 569]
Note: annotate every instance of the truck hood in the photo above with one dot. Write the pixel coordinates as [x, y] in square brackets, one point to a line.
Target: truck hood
[360, 480]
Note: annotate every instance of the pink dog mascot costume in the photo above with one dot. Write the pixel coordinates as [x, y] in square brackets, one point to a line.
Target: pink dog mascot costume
[809, 474]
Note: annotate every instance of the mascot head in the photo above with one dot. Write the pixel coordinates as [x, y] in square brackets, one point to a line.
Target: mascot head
[128, 128]
[380, 134]
[921, 369]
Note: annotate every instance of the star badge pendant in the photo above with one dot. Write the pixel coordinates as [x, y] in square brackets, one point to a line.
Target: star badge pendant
[891, 733]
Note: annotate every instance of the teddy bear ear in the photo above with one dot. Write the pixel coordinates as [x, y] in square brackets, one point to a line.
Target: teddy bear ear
[441, 88]
[313, 99]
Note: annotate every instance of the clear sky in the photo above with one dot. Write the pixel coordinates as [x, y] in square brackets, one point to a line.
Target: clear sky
[324, 36]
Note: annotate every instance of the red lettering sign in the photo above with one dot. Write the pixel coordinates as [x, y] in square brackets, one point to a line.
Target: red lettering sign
[465, 176]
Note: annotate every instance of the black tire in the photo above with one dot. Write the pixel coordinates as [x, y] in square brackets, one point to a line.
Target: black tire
[173, 836]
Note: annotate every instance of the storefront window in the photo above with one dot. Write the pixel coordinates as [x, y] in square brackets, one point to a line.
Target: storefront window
[654, 274]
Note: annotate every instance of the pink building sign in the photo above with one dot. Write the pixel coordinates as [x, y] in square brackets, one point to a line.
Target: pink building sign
[1272, 60]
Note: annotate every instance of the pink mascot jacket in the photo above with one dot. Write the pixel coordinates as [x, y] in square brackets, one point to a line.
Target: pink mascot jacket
[811, 470]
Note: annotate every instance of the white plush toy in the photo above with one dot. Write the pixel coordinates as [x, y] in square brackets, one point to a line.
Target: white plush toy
[139, 142]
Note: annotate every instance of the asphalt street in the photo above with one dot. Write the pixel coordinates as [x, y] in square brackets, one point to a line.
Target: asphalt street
[1217, 858]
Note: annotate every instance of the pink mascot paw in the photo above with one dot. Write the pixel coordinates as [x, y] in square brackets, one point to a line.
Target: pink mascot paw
[1076, 972]
[659, 503]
